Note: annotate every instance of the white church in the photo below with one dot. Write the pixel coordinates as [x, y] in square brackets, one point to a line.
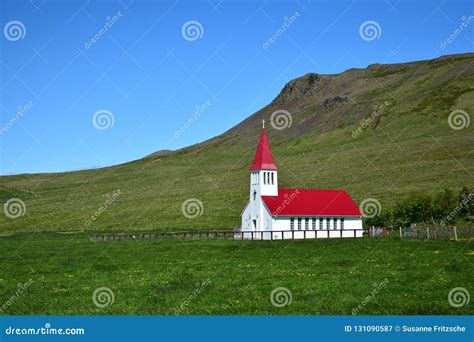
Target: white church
[275, 214]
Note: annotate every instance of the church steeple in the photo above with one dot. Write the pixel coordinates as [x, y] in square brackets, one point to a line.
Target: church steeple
[263, 159]
[263, 175]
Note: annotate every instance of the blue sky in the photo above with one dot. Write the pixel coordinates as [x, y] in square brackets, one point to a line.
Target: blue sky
[148, 75]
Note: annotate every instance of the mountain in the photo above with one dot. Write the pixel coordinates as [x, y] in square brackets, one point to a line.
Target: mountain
[384, 132]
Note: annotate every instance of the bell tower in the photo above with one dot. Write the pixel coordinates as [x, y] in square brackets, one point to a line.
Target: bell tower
[263, 171]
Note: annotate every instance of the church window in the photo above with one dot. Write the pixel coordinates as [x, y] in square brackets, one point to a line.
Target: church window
[299, 223]
[292, 223]
[313, 223]
[335, 223]
[273, 180]
[342, 223]
[320, 223]
[306, 223]
[254, 195]
[328, 223]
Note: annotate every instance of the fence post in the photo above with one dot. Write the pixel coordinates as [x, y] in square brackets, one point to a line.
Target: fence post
[428, 233]
[400, 229]
[455, 233]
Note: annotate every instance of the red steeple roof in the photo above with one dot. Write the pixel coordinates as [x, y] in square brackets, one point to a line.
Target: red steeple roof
[263, 157]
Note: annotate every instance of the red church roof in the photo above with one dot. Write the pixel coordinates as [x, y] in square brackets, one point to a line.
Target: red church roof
[263, 157]
[302, 202]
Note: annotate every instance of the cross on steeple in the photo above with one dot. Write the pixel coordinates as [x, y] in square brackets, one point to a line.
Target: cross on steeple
[263, 123]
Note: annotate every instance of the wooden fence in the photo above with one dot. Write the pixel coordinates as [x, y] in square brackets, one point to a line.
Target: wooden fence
[443, 232]
[223, 234]
[234, 235]
[377, 231]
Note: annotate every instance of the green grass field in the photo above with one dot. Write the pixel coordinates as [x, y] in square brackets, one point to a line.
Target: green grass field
[156, 277]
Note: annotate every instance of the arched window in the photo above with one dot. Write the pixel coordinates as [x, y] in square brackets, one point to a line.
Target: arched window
[273, 182]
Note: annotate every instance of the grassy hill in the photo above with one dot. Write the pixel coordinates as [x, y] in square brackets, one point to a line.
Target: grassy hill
[407, 147]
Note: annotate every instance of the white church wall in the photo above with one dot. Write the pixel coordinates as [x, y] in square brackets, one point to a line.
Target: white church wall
[350, 224]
